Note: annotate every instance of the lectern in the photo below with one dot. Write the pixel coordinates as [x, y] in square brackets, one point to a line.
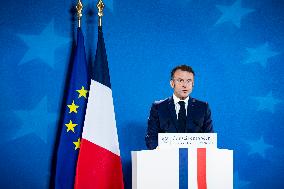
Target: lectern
[183, 161]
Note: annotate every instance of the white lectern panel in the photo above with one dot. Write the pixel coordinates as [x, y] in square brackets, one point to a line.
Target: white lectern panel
[219, 169]
[154, 169]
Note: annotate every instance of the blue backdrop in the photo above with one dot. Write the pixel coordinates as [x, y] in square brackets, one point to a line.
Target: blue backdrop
[235, 46]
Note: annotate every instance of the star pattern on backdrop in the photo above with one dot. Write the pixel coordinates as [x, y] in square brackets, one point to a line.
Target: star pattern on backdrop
[43, 46]
[238, 183]
[36, 121]
[260, 55]
[267, 103]
[233, 13]
[259, 147]
[218, 34]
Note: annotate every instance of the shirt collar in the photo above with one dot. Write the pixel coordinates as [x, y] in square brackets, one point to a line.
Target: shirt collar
[176, 99]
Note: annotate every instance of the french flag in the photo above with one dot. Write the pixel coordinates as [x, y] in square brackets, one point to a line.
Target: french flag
[99, 163]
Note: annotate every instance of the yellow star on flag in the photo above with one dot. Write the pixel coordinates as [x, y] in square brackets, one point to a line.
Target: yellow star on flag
[71, 126]
[73, 107]
[77, 144]
[82, 92]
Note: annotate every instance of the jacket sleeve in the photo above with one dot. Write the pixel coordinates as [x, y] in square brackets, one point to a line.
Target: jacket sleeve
[207, 124]
[153, 128]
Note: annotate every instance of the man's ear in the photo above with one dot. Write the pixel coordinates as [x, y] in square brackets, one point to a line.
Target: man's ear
[172, 84]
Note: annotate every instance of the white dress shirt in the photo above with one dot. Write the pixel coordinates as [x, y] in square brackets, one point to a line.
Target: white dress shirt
[177, 106]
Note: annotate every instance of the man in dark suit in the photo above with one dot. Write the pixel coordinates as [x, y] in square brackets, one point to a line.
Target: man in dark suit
[179, 113]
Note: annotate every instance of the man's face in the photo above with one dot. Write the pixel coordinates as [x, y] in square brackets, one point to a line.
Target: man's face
[182, 83]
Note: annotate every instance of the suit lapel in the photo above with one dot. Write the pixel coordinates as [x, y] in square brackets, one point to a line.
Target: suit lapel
[172, 111]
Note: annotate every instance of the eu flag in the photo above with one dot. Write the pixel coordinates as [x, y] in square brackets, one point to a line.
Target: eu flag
[73, 118]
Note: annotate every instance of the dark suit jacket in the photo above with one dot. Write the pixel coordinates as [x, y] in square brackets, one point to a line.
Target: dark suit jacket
[163, 119]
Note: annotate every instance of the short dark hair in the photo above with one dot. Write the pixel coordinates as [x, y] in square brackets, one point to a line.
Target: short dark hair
[182, 68]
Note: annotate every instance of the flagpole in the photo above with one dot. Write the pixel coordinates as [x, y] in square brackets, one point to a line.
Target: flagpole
[79, 8]
[100, 6]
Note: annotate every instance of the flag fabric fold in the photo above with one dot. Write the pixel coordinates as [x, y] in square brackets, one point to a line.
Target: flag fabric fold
[99, 163]
[73, 117]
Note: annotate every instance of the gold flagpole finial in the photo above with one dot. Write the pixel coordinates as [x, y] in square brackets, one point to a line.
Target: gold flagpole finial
[79, 8]
[100, 7]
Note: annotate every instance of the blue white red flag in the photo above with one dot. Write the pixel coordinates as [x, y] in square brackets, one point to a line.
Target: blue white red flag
[99, 164]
